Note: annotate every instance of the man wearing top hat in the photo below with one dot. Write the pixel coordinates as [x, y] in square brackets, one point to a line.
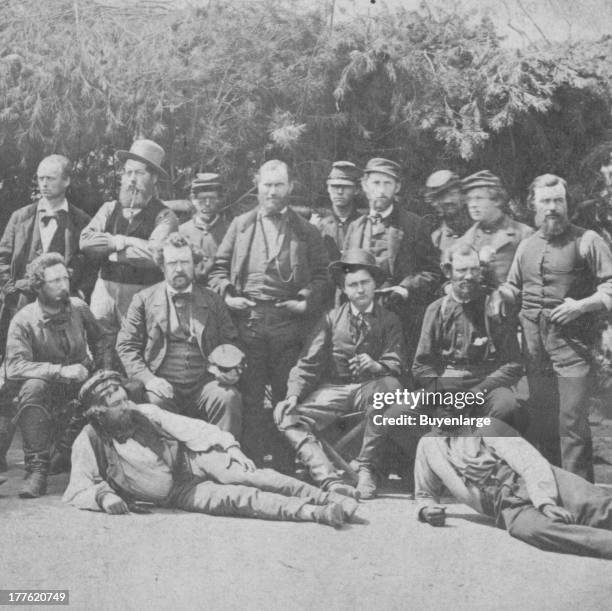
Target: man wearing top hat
[167, 339]
[443, 194]
[342, 187]
[122, 233]
[356, 350]
[400, 241]
[207, 227]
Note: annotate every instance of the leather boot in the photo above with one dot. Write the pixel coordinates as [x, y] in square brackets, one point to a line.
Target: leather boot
[331, 514]
[321, 469]
[36, 484]
[7, 430]
[367, 483]
[348, 504]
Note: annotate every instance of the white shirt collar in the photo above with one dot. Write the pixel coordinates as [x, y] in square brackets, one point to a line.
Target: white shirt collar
[368, 310]
[43, 206]
[384, 214]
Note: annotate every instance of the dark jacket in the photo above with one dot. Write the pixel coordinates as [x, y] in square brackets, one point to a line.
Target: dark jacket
[142, 340]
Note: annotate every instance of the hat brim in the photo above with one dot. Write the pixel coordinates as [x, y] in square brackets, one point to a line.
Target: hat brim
[342, 181]
[382, 171]
[125, 155]
[337, 271]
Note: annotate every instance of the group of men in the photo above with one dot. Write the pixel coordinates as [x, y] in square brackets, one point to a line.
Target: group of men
[262, 332]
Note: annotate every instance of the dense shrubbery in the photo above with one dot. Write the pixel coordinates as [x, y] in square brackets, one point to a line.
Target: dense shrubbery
[226, 87]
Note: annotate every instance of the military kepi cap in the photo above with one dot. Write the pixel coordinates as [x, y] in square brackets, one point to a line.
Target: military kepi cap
[344, 173]
[383, 166]
[483, 178]
[89, 387]
[226, 356]
[440, 182]
[206, 182]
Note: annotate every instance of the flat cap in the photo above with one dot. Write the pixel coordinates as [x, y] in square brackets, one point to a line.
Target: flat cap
[206, 182]
[226, 356]
[483, 178]
[384, 166]
[440, 182]
[344, 173]
[89, 386]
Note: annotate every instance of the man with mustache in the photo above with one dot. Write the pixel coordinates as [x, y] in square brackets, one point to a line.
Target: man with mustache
[48, 358]
[400, 241]
[167, 338]
[271, 269]
[122, 234]
[207, 227]
[561, 276]
[461, 350]
[132, 456]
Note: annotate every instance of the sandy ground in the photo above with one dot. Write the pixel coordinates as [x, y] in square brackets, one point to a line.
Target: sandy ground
[176, 560]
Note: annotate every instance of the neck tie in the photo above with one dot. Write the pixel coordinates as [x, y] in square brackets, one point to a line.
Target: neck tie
[182, 301]
[359, 327]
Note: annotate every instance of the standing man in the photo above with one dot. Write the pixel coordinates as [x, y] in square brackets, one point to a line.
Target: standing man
[494, 235]
[122, 233]
[207, 227]
[167, 336]
[271, 269]
[562, 276]
[47, 359]
[401, 244]
[50, 225]
[342, 187]
[443, 194]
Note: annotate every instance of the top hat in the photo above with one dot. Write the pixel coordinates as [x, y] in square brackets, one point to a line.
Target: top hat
[483, 178]
[384, 166]
[206, 182]
[147, 152]
[440, 182]
[344, 173]
[89, 386]
[352, 260]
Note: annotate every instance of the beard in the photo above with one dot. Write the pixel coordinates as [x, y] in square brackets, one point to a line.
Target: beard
[63, 299]
[552, 224]
[132, 197]
[466, 290]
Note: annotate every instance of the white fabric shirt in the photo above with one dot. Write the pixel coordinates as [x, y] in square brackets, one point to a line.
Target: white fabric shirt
[48, 231]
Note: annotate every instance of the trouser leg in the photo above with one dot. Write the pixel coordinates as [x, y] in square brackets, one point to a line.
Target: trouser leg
[221, 405]
[543, 430]
[574, 430]
[502, 403]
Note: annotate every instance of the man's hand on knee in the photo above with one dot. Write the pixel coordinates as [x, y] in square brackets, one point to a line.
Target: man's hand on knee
[558, 514]
[235, 454]
[284, 407]
[74, 373]
[115, 505]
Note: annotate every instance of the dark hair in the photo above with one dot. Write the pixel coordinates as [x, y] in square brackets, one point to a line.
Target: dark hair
[177, 241]
[35, 271]
[545, 180]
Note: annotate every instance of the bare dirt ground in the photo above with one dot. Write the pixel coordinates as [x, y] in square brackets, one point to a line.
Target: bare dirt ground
[176, 560]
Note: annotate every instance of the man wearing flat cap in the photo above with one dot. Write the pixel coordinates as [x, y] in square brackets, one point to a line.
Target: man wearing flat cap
[494, 235]
[356, 350]
[400, 242]
[207, 227]
[443, 194]
[131, 457]
[168, 336]
[342, 187]
[122, 233]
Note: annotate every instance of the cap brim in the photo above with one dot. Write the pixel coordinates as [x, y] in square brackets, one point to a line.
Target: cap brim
[341, 181]
[382, 171]
[124, 155]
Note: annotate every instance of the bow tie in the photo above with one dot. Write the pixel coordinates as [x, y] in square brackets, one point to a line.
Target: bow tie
[181, 298]
[375, 218]
[58, 216]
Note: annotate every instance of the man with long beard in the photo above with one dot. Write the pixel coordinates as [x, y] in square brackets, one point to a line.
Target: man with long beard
[123, 234]
[562, 275]
[48, 357]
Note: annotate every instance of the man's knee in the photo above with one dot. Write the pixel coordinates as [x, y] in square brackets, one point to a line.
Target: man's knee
[34, 392]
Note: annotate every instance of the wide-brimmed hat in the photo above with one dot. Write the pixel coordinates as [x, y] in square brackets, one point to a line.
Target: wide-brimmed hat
[353, 259]
[344, 173]
[206, 182]
[440, 182]
[147, 152]
[383, 166]
[89, 387]
[484, 178]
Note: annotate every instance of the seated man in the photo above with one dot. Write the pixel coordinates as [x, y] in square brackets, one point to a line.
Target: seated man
[133, 455]
[48, 357]
[167, 337]
[356, 350]
[498, 473]
[461, 349]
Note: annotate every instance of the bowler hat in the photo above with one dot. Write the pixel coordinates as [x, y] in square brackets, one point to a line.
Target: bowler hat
[440, 182]
[352, 260]
[484, 178]
[89, 386]
[344, 173]
[206, 182]
[384, 166]
[147, 152]
[226, 356]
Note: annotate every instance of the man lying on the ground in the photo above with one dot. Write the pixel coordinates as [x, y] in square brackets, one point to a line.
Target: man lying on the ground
[129, 455]
[498, 473]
